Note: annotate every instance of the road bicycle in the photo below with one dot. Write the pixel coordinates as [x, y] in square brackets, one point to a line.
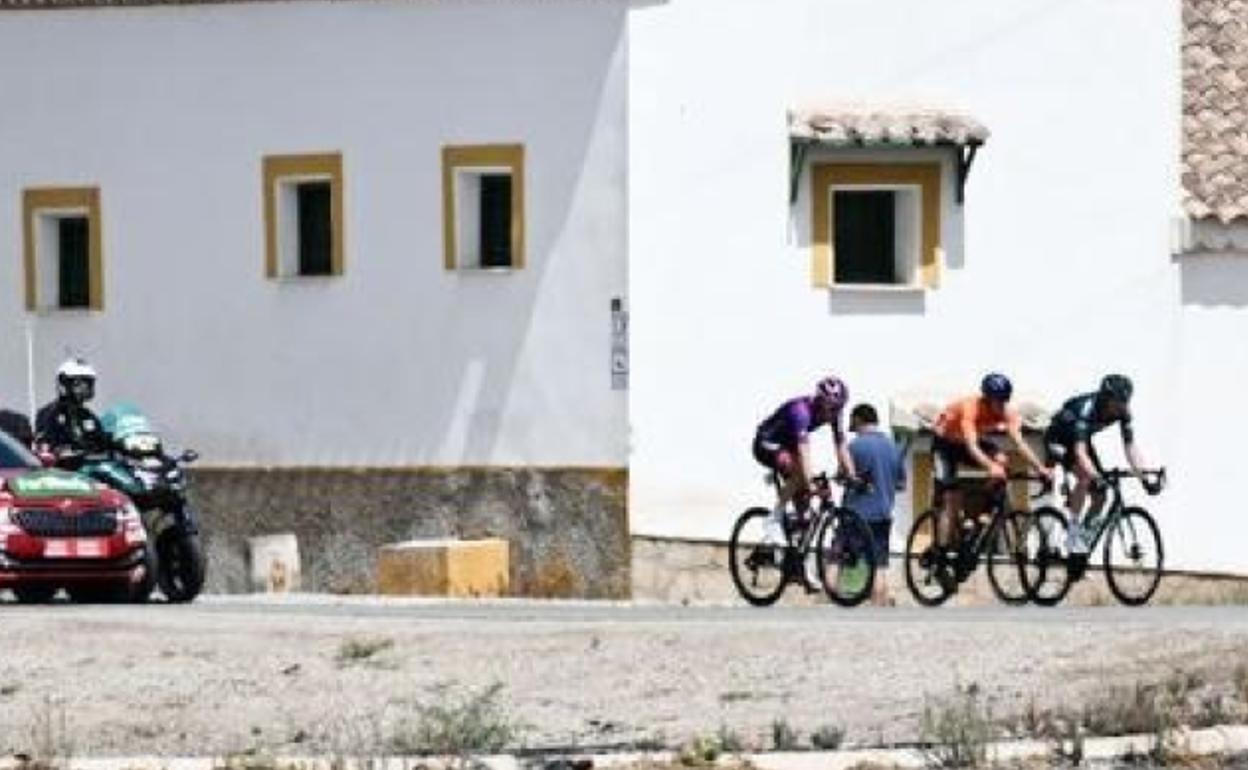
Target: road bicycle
[933, 573]
[831, 542]
[1133, 553]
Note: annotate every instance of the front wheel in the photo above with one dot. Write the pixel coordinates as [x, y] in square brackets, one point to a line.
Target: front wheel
[1133, 557]
[141, 591]
[1007, 559]
[929, 577]
[846, 557]
[34, 593]
[757, 566]
[180, 567]
[1050, 579]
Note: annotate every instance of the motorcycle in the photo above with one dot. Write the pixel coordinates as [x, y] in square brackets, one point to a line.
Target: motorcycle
[136, 464]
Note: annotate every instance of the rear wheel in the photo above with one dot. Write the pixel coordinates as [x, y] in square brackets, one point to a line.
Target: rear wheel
[846, 557]
[1007, 559]
[757, 566]
[1050, 580]
[1133, 557]
[34, 594]
[930, 579]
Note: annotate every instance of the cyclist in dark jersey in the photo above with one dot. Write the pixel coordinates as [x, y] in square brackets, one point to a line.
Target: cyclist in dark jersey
[1068, 442]
[782, 444]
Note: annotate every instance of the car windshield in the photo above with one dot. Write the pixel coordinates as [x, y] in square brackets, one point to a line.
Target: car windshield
[14, 455]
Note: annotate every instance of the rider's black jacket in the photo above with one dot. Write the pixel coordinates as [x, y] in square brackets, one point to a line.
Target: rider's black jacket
[64, 425]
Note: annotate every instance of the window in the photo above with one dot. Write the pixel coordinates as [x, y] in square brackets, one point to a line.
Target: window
[483, 207]
[875, 225]
[303, 208]
[62, 249]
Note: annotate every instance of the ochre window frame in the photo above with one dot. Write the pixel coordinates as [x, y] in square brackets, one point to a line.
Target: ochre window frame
[313, 165]
[456, 157]
[39, 199]
[825, 176]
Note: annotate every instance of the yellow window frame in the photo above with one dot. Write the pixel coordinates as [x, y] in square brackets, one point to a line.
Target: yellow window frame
[276, 169]
[826, 176]
[39, 199]
[456, 157]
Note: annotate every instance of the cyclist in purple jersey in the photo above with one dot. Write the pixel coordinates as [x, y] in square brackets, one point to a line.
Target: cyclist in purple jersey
[782, 444]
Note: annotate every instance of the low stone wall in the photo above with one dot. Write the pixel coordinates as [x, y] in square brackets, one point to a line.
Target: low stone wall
[697, 572]
[568, 528]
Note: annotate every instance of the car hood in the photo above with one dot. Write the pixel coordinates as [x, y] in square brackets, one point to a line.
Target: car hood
[51, 487]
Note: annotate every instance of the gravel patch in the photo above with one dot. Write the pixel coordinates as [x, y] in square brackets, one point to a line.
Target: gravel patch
[227, 677]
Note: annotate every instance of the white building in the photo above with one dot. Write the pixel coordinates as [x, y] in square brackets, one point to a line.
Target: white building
[186, 162]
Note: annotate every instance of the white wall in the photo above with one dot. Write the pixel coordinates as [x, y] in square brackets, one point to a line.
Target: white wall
[170, 110]
[1063, 273]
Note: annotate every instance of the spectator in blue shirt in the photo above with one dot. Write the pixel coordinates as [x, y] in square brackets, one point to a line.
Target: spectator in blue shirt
[878, 461]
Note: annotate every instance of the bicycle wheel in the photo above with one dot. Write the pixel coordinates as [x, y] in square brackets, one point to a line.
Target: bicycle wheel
[1133, 557]
[930, 580]
[1007, 558]
[757, 567]
[1048, 577]
[846, 560]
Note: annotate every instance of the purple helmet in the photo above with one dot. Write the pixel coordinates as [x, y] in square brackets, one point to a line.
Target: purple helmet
[833, 392]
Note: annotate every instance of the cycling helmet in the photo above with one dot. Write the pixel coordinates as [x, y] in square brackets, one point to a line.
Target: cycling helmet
[1116, 387]
[832, 391]
[75, 380]
[996, 386]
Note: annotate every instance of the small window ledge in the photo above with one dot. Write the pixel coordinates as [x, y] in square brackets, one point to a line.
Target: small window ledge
[65, 312]
[487, 270]
[891, 289]
[297, 280]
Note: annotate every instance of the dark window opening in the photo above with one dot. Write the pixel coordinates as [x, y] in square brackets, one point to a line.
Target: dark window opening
[496, 220]
[74, 264]
[865, 236]
[316, 232]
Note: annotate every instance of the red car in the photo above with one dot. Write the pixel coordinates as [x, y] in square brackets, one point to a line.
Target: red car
[63, 530]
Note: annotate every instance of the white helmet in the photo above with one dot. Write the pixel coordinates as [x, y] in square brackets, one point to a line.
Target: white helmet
[75, 380]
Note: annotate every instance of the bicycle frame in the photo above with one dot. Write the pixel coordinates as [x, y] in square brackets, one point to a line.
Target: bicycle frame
[1110, 515]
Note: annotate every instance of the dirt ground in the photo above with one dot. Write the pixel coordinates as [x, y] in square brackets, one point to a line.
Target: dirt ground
[227, 676]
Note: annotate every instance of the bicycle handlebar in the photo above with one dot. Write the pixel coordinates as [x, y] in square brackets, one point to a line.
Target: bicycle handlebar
[822, 483]
[1156, 475]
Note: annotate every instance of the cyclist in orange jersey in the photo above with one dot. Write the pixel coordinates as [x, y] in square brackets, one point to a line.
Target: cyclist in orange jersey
[964, 433]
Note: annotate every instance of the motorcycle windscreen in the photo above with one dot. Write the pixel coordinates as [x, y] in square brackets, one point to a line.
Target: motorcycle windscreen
[125, 421]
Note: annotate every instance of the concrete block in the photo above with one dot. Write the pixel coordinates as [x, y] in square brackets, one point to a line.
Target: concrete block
[274, 563]
[444, 568]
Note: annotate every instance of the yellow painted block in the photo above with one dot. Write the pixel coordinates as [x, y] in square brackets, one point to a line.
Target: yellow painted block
[444, 568]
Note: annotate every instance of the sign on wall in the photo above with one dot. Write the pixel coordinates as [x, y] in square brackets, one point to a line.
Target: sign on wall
[619, 345]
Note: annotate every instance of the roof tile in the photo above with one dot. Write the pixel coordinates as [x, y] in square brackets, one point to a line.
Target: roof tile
[1215, 116]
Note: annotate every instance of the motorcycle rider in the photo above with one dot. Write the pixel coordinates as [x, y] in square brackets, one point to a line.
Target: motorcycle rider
[67, 427]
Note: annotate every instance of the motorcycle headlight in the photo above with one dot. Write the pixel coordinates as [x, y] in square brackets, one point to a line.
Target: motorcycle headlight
[7, 525]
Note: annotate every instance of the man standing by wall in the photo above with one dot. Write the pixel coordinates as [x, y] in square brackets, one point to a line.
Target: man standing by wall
[878, 461]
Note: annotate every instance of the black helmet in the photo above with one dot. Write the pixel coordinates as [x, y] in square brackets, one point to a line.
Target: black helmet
[996, 386]
[1116, 387]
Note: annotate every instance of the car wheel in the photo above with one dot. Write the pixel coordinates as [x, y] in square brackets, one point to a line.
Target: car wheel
[34, 594]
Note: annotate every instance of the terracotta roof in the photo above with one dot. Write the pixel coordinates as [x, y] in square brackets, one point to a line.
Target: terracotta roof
[903, 126]
[1215, 109]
